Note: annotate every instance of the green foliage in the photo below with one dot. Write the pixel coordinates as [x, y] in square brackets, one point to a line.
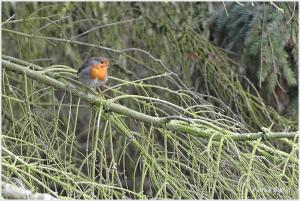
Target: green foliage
[162, 65]
[258, 36]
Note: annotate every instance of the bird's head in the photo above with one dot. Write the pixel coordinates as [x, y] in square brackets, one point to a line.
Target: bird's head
[100, 63]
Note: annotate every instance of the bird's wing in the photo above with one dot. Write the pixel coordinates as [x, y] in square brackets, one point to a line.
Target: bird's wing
[81, 68]
[86, 64]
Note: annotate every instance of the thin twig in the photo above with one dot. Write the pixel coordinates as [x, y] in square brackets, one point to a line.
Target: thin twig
[278, 8]
[225, 8]
[105, 25]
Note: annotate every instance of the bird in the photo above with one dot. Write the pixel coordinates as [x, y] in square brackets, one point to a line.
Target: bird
[94, 72]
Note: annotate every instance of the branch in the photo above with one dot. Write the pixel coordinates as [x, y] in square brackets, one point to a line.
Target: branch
[10, 191]
[175, 124]
[60, 40]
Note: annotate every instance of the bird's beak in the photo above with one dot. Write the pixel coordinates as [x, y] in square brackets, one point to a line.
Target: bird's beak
[106, 63]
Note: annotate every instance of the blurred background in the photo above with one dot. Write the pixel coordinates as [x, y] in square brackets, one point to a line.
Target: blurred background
[259, 37]
[232, 64]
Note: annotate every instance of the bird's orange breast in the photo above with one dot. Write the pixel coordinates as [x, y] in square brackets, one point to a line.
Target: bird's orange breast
[98, 73]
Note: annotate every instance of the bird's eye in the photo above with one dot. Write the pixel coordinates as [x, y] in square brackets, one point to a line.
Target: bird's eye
[101, 62]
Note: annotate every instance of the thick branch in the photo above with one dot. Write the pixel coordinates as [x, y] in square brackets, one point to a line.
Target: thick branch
[171, 124]
[10, 191]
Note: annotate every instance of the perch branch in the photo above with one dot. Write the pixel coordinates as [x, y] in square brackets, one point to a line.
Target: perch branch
[175, 124]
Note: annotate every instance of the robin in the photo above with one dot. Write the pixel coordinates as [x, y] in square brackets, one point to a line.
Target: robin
[93, 73]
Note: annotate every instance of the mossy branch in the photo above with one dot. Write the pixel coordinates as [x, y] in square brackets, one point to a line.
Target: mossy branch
[10, 191]
[189, 126]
